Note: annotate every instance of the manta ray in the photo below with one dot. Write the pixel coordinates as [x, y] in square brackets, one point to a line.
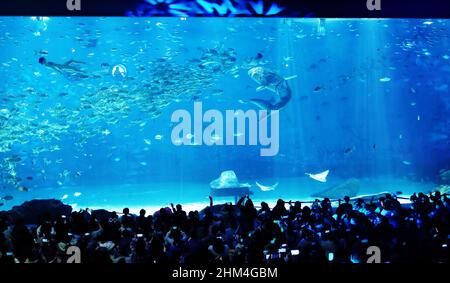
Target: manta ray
[267, 188]
[273, 82]
[321, 177]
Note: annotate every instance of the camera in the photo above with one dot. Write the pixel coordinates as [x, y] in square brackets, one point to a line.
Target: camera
[330, 256]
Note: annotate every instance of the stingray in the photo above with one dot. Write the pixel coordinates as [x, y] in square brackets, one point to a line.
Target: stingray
[321, 177]
[267, 188]
[349, 188]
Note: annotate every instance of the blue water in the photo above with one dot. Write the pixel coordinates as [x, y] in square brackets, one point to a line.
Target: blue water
[370, 101]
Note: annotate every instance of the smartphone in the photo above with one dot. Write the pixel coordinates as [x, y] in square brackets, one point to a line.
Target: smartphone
[282, 250]
[63, 216]
[69, 234]
[330, 256]
[87, 234]
[44, 240]
[268, 256]
[140, 235]
[295, 252]
[9, 254]
[444, 245]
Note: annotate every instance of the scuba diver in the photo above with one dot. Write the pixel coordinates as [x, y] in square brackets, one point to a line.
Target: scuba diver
[69, 69]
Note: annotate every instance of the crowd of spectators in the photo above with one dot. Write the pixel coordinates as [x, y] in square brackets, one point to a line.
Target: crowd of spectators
[316, 232]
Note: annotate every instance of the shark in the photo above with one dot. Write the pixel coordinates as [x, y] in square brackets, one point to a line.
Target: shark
[348, 188]
[272, 82]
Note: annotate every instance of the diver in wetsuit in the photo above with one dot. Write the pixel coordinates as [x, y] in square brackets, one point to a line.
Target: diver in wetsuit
[69, 69]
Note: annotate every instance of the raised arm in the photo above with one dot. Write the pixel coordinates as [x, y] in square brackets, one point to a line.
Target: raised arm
[241, 200]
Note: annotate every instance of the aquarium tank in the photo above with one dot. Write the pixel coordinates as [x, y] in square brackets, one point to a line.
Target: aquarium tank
[107, 113]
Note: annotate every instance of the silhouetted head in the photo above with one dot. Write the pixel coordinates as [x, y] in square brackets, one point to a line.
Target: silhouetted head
[280, 202]
[249, 205]
[264, 205]
[126, 211]
[142, 212]
[347, 199]
[42, 60]
[179, 207]
[218, 245]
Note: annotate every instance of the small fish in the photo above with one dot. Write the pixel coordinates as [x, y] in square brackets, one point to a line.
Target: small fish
[406, 162]
[77, 194]
[65, 196]
[216, 92]
[385, 79]
[158, 137]
[149, 142]
[343, 98]
[317, 89]
[29, 178]
[349, 150]
[290, 77]
[117, 159]
[143, 163]
[22, 189]
[7, 198]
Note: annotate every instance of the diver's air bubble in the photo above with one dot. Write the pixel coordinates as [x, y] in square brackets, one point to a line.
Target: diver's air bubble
[119, 71]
